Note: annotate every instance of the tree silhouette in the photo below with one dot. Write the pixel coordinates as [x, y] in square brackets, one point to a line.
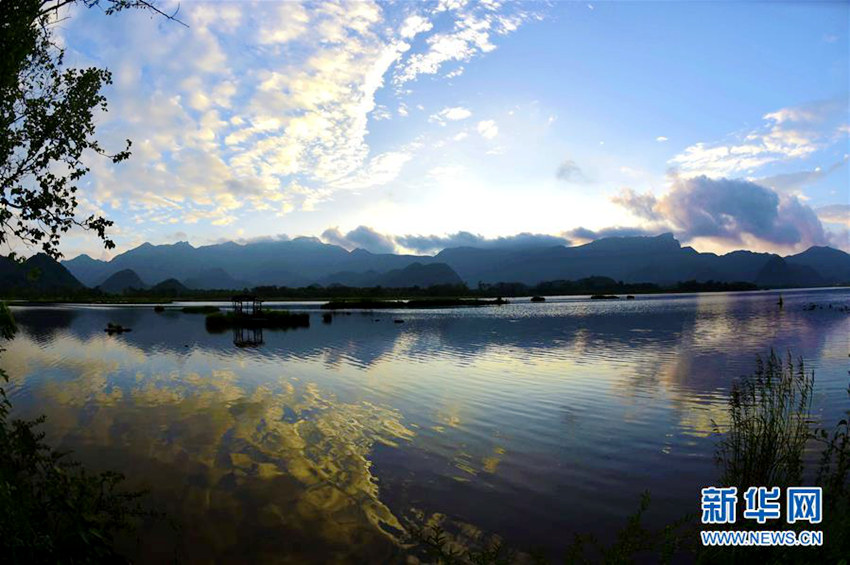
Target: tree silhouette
[47, 124]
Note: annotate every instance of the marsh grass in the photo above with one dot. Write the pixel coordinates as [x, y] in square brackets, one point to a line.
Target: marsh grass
[200, 309]
[769, 425]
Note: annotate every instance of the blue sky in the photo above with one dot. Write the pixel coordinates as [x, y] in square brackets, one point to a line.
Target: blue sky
[414, 126]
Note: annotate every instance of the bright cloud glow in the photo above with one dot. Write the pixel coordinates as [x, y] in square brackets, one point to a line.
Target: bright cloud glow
[488, 129]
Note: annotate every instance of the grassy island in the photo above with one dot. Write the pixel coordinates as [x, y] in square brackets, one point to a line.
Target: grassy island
[272, 319]
[200, 309]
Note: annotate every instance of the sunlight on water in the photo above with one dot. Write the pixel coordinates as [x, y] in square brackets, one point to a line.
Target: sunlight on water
[530, 421]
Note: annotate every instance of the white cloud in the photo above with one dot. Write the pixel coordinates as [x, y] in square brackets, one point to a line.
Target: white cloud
[786, 134]
[488, 129]
[475, 23]
[380, 170]
[414, 25]
[286, 22]
[660, 139]
[452, 114]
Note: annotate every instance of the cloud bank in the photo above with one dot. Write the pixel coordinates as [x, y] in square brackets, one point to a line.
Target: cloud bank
[361, 237]
[732, 211]
[365, 237]
[268, 108]
[785, 135]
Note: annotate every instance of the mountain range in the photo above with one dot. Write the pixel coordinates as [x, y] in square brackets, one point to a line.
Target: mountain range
[307, 261]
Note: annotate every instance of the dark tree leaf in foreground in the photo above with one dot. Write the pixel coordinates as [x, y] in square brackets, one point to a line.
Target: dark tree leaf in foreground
[47, 125]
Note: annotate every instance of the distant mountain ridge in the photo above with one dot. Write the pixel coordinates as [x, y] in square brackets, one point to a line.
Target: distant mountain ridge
[305, 261]
[121, 282]
[40, 273]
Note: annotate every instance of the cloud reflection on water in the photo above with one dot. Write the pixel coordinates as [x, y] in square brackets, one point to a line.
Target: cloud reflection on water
[321, 442]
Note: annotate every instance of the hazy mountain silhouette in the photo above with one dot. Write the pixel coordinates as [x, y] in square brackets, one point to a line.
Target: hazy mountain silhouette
[122, 281]
[779, 272]
[90, 272]
[415, 274]
[214, 279]
[304, 261]
[833, 265]
[39, 273]
[169, 287]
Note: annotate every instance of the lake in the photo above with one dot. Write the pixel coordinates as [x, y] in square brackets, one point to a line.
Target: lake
[527, 421]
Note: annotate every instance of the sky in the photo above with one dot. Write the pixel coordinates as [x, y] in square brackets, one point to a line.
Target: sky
[411, 127]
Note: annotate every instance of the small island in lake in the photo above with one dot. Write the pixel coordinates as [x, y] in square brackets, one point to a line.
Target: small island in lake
[370, 304]
[270, 319]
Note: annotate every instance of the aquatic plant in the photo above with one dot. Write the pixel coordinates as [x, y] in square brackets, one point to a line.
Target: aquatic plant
[769, 427]
[200, 309]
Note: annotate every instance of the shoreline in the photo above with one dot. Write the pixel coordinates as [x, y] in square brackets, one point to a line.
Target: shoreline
[174, 301]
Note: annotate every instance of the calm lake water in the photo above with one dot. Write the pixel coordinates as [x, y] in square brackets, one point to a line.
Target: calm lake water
[530, 421]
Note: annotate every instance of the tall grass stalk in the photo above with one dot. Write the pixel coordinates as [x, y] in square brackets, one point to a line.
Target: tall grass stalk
[770, 418]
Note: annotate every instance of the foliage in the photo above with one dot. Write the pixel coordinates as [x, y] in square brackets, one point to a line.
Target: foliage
[47, 116]
[47, 124]
[54, 510]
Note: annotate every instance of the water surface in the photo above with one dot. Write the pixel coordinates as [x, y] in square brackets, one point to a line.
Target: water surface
[529, 421]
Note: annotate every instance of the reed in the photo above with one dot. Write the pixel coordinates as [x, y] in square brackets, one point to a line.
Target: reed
[769, 425]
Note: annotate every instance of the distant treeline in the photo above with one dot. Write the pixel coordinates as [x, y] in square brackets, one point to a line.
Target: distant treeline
[591, 285]
[606, 285]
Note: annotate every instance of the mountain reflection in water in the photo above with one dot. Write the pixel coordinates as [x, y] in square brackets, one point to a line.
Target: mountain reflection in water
[528, 420]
